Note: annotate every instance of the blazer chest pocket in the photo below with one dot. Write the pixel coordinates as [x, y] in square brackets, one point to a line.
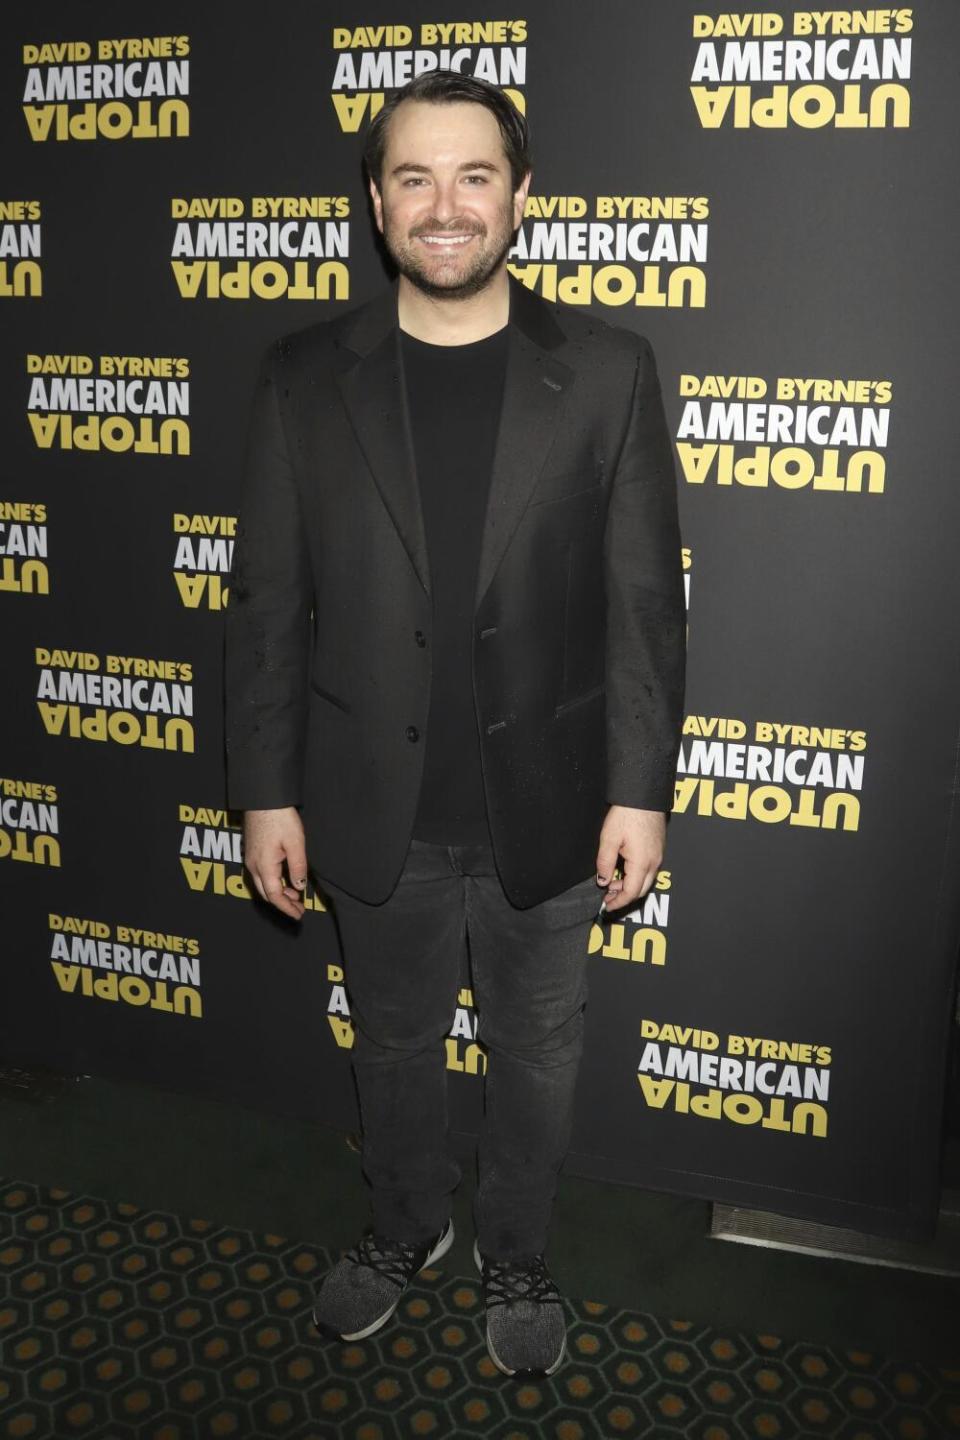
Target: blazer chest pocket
[585, 479]
[329, 696]
[585, 698]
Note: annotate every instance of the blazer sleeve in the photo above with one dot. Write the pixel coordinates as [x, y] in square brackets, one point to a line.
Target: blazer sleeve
[646, 611]
[266, 637]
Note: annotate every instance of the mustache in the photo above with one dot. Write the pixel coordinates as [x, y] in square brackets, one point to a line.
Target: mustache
[452, 227]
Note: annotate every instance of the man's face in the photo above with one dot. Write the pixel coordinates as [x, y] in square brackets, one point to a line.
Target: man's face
[447, 210]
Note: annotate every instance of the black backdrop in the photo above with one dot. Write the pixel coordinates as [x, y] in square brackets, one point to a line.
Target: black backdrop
[775, 229]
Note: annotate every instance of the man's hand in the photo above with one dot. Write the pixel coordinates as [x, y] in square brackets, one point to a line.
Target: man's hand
[270, 838]
[639, 836]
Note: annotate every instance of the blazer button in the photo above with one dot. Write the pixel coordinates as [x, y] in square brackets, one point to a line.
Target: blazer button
[413, 733]
[420, 638]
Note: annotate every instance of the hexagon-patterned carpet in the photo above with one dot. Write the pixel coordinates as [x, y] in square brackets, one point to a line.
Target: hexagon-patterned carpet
[119, 1323]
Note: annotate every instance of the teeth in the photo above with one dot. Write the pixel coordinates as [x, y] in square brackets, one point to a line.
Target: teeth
[445, 239]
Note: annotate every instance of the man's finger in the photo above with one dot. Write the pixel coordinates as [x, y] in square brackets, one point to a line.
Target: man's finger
[271, 887]
[630, 888]
[297, 867]
[631, 878]
[622, 900]
[607, 856]
[279, 900]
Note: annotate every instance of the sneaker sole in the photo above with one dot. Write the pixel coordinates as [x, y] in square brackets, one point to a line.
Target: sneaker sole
[533, 1373]
[328, 1332]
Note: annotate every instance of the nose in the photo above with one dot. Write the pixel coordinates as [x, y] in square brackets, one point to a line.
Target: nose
[445, 200]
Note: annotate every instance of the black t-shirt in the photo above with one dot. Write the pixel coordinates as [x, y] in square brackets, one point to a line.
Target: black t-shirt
[454, 393]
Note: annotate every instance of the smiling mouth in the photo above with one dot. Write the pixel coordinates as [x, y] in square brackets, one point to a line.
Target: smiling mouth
[445, 242]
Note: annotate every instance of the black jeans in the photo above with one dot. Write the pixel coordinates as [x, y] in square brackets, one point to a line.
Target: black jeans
[402, 970]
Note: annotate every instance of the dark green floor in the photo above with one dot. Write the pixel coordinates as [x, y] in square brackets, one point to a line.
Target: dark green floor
[127, 1323]
[612, 1244]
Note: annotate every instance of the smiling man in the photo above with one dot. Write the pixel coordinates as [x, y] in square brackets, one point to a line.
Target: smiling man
[454, 688]
[448, 227]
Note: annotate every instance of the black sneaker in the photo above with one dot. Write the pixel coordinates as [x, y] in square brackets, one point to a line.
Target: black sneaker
[361, 1292]
[526, 1329]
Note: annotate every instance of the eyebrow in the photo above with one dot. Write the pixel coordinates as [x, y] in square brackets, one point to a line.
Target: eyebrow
[408, 166]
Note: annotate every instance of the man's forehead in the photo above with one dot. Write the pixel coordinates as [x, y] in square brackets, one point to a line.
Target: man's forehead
[420, 131]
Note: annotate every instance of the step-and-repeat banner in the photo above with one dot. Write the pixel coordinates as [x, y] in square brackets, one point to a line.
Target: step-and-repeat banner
[769, 196]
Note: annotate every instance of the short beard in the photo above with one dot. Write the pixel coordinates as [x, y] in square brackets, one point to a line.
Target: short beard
[472, 283]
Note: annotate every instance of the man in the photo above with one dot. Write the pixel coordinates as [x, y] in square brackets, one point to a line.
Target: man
[454, 685]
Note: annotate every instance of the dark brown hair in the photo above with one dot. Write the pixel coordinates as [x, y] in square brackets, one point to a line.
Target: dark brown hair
[444, 87]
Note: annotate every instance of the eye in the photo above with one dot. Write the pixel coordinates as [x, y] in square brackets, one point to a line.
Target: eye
[476, 179]
[414, 180]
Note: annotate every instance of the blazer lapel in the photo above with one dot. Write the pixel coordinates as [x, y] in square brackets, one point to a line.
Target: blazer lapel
[534, 392]
[371, 384]
[372, 388]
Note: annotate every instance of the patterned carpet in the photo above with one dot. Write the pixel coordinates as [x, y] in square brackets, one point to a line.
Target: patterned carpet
[117, 1322]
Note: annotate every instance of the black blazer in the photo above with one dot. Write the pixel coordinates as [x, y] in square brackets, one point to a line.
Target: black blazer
[579, 631]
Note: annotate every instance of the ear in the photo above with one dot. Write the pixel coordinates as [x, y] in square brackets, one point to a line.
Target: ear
[520, 199]
[377, 201]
